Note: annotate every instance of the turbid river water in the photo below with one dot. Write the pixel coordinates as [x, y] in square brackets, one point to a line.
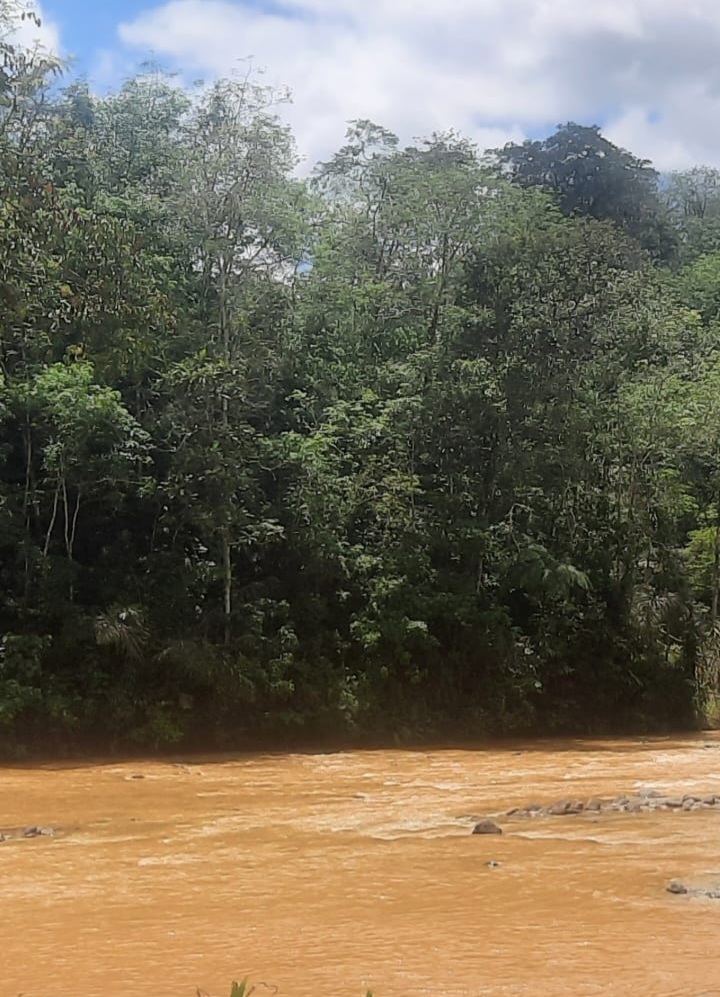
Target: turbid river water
[323, 875]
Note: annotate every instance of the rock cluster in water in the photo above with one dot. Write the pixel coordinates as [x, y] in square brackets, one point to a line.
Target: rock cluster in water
[28, 832]
[639, 803]
[703, 892]
[621, 804]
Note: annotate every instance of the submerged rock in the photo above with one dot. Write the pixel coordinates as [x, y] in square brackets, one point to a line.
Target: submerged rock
[700, 892]
[487, 827]
[38, 832]
[560, 808]
[634, 807]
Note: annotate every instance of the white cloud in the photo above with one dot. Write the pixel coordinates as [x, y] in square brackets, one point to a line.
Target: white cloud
[108, 66]
[494, 69]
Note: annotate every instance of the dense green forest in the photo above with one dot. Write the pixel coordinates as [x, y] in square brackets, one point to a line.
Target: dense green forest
[426, 444]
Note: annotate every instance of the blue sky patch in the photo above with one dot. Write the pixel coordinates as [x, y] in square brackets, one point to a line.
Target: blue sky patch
[87, 27]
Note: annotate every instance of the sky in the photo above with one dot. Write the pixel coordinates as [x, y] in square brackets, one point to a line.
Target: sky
[647, 71]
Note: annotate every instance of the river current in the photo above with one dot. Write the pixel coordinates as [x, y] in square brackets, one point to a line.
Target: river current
[324, 875]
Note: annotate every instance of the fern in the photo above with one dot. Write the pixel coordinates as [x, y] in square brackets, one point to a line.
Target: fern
[122, 628]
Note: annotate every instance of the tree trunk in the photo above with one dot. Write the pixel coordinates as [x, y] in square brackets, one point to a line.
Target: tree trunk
[225, 536]
[227, 581]
[27, 506]
[716, 572]
[53, 518]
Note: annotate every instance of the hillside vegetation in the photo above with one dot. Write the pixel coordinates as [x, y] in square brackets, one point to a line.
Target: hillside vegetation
[425, 444]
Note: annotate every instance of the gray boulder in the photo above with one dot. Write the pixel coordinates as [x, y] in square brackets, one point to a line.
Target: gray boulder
[487, 827]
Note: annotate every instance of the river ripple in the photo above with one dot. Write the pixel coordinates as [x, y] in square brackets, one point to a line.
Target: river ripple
[325, 874]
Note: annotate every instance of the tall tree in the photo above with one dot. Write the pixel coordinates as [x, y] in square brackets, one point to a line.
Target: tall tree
[692, 199]
[588, 175]
[238, 210]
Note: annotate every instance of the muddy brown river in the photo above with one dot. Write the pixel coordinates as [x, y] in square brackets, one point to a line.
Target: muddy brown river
[324, 875]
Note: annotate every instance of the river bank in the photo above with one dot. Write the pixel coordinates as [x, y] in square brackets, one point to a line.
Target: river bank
[37, 746]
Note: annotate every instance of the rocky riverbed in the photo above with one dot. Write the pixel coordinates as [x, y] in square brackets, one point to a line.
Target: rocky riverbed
[647, 802]
[650, 801]
[637, 803]
[35, 831]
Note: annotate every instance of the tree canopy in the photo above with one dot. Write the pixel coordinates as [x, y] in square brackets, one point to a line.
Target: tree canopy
[426, 444]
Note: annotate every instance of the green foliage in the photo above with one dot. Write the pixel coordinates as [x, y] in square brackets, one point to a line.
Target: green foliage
[692, 200]
[588, 175]
[428, 444]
